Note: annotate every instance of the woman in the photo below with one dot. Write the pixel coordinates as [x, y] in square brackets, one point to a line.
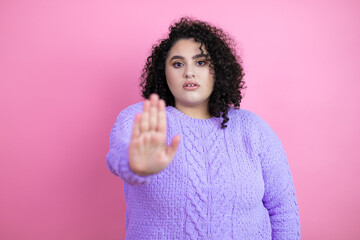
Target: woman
[194, 165]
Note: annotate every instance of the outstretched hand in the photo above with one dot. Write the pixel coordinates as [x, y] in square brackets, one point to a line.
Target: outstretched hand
[148, 151]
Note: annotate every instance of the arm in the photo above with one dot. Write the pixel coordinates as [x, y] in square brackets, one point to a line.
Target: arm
[117, 159]
[279, 196]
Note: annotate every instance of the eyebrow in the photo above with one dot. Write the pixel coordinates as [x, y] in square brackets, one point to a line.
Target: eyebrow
[194, 57]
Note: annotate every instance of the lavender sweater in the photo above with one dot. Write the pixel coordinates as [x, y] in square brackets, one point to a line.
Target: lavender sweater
[232, 183]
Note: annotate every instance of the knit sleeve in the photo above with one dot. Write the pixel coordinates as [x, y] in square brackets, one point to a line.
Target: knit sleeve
[279, 196]
[117, 159]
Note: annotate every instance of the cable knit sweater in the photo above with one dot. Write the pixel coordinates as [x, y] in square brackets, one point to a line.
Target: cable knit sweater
[232, 183]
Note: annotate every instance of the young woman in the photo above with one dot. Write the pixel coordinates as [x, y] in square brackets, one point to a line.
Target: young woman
[194, 165]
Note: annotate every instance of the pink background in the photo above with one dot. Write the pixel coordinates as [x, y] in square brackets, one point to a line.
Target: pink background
[67, 68]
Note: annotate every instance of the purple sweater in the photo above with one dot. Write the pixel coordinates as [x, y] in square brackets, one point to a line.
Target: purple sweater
[232, 183]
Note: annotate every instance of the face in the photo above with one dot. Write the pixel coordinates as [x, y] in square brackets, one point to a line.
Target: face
[188, 75]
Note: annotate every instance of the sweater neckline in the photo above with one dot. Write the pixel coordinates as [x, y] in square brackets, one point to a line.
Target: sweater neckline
[211, 122]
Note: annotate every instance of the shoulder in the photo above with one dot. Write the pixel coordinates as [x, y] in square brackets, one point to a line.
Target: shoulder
[134, 108]
[131, 111]
[126, 116]
[249, 122]
[245, 117]
[255, 129]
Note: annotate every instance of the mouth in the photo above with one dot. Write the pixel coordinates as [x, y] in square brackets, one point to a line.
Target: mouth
[191, 85]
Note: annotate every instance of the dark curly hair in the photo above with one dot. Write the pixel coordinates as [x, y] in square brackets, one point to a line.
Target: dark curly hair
[224, 61]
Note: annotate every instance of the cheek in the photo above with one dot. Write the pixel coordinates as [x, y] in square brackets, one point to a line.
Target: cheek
[171, 76]
[167, 75]
[211, 81]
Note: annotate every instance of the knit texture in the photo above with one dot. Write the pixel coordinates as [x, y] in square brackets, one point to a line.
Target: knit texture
[232, 183]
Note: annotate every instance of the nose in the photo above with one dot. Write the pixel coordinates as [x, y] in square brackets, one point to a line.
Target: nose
[189, 73]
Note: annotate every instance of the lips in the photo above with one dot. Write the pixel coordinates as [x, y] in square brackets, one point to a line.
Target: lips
[191, 85]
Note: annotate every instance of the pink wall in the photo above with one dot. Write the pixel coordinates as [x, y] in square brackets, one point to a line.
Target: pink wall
[67, 68]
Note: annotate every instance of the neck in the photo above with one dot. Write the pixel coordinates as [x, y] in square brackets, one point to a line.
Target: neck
[199, 112]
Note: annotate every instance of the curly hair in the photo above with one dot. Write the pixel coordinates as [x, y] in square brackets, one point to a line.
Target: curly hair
[228, 72]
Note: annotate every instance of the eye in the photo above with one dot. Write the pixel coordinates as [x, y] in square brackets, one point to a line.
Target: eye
[177, 64]
[201, 62]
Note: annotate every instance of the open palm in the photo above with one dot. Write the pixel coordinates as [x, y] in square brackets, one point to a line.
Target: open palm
[148, 151]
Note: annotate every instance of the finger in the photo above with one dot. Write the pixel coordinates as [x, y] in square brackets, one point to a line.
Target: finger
[161, 126]
[153, 111]
[144, 124]
[173, 147]
[136, 126]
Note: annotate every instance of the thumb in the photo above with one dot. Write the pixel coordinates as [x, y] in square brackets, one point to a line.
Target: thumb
[172, 148]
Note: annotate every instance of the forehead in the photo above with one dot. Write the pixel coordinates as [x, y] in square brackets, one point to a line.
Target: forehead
[185, 47]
